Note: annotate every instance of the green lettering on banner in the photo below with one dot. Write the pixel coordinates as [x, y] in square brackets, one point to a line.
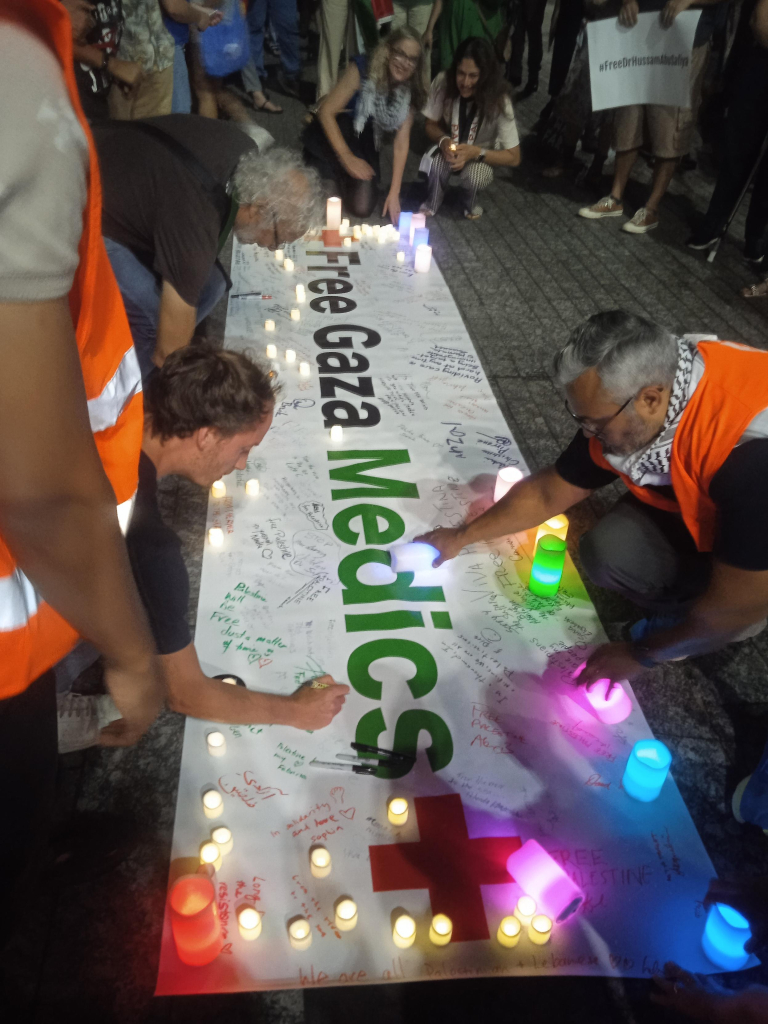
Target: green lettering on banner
[371, 486]
[360, 660]
[409, 725]
[400, 589]
[383, 620]
[369, 520]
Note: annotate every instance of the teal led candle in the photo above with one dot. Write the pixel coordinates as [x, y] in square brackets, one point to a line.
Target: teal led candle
[646, 770]
[725, 934]
[548, 564]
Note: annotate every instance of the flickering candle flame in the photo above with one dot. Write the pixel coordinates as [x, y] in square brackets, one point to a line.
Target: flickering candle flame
[509, 932]
[223, 839]
[300, 934]
[213, 803]
[210, 854]
[401, 256]
[423, 259]
[301, 295]
[218, 488]
[288, 264]
[279, 255]
[320, 862]
[249, 923]
[215, 537]
[271, 351]
[397, 810]
[337, 433]
[441, 930]
[252, 487]
[540, 930]
[333, 213]
[506, 478]
[404, 932]
[217, 745]
[525, 909]
[346, 915]
[304, 369]
[290, 355]
[269, 325]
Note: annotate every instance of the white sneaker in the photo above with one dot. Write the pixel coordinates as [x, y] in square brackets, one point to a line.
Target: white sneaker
[606, 207]
[475, 213]
[81, 719]
[644, 220]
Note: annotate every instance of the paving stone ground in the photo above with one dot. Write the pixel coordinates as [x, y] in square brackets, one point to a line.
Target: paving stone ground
[522, 276]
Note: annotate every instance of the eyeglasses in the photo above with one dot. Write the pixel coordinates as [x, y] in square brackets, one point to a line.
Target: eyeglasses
[404, 58]
[596, 431]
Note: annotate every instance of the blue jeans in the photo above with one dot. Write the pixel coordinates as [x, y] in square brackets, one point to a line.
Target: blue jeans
[140, 289]
[182, 94]
[285, 20]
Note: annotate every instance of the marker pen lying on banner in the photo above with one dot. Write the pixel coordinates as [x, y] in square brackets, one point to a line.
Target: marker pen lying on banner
[358, 769]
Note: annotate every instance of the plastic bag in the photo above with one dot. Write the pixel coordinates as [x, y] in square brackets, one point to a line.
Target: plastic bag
[224, 47]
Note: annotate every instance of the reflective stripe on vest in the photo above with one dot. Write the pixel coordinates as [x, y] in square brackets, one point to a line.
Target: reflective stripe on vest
[104, 411]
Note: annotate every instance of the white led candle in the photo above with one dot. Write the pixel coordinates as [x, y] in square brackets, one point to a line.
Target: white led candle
[300, 934]
[269, 325]
[271, 351]
[223, 839]
[376, 230]
[366, 229]
[215, 537]
[252, 488]
[509, 932]
[301, 295]
[397, 810]
[347, 242]
[295, 314]
[423, 259]
[304, 369]
[401, 257]
[557, 526]
[540, 930]
[345, 226]
[217, 745]
[320, 862]
[218, 488]
[383, 237]
[290, 355]
[404, 931]
[213, 803]
[441, 930]
[288, 264]
[357, 232]
[210, 854]
[249, 923]
[337, 433]
[333, 213]
[525, 909]
[346, 915]
[279, 254]
[505, 479]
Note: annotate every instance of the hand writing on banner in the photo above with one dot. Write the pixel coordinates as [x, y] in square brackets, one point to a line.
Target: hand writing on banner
[448, 540]
[609, 661]
[312, 706]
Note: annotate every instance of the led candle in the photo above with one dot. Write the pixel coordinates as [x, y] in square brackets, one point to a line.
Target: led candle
[218, 488]
[423, 259]
[418, 220]
[269, 325]
[195, 920]
[223, 839]
[421, 237]
[337, 433]
[548, 565]
[345, 226]
[213, 803]
[231, 680]
[540, 930]
[295, 314]
[272, 350]
[509, 932]
[210, 854]
[412, 557]
[301, 295]
[300, 934]
[506, 478]
[397, 810]
[401, 256]
[279, 254]
[357, 232]
[404, 225]
[252, 488]
[441, 930]
[333, 213]
[215, 537]
[376, 230]
[217, 745]
[366, 229]
[346, 915]
[725, 932]
[320, 862]
[383, 238]
[249, 923]
[288, 264]
[525, 909]
[304, 369]
[646, 770]
[347, 242]
[290, 355]
[557, 526]
[610, 710]
[542, 878]
[404, 932]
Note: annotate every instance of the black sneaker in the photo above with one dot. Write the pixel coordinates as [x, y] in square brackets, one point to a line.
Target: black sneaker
[701, 240]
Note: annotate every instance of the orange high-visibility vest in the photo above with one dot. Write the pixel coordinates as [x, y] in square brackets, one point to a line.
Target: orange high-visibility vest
[732, 391]
[33, 636]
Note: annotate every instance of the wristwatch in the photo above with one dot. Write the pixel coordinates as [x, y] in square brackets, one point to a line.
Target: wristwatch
[481, 157]
[642, 654]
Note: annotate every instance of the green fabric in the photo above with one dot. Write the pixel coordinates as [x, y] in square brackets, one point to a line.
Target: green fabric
[460, 20]
[366, 21]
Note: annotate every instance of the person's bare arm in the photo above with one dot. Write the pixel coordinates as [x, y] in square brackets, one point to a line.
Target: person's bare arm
[760, 22]
[674, 7]
[437, 9]
[57, 509]
[176, 323]
[191, 692]
[191, 14]
[333, 104]
[493, 157]
[527, 504]
[399, 157]
[126, 71]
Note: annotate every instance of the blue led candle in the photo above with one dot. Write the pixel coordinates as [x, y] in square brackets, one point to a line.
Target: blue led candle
[725, 933]
[548, 564]
[646, 770]
[404, 226]
[420, 237]
[413, 557]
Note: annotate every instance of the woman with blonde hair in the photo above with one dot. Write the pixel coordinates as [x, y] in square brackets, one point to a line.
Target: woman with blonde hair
[375, 96]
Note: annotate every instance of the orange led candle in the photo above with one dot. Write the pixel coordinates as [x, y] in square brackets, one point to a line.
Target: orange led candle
[195, 920]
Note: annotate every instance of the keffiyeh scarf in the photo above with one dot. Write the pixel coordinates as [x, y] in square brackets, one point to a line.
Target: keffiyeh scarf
[388, 110]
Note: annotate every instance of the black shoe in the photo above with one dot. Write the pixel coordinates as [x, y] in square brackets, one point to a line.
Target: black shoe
[753, 253]
[289, 86]
[530, 88]
[701, 240]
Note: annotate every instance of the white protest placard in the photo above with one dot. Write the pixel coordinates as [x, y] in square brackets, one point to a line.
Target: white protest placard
[643, 64]
[462, 666]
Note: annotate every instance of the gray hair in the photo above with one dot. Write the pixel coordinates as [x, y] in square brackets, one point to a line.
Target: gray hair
[269, 180]
[628, 352]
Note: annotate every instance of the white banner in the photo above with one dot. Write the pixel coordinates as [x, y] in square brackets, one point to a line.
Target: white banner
[643, 64]
[463, 666]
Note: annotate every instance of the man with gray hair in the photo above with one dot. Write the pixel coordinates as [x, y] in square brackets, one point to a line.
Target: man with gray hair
[684, 423]
[174, 188]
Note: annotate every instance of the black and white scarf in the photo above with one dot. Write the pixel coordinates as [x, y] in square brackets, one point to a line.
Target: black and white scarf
[387, 109]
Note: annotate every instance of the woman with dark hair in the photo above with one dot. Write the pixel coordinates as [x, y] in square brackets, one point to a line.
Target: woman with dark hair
[470, 118]
[374, 96]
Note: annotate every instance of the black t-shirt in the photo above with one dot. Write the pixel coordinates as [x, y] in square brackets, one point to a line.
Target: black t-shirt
[93, 84]
[467, 111]
[156, 207]
[739, 491]
[161, 577]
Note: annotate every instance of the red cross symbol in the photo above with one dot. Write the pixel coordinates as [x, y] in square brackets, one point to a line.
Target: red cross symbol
[448, 863]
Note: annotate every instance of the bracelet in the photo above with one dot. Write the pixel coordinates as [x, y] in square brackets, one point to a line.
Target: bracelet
[439, 144]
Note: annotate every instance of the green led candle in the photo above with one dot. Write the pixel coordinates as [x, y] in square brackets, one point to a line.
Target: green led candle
[548, 564]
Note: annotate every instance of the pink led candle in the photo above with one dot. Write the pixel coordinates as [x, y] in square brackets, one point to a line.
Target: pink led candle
[195, 920]
[541, 877]
[610, 710]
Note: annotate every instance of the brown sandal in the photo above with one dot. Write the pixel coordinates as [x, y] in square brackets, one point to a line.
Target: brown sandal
[267, 107]
[756, 291]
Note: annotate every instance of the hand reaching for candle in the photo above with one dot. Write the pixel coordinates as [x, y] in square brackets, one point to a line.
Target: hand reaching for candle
[448, 540]
[750, 897]
[392, 207]
[138, 693]
[610, 661]
[462, 155]
[703, 998]
[315, 705]
[358, 168]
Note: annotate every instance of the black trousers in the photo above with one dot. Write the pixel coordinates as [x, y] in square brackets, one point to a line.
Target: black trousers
[566, 33]
[28, 758]
[528, 22]
[746, 126]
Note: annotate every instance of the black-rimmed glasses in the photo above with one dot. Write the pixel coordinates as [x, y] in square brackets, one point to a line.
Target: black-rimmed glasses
[583, 421]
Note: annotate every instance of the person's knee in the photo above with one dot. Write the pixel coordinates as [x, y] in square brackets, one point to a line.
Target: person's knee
[602, 550]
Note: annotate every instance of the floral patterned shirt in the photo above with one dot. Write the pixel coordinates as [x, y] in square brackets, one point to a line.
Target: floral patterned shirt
[145, 37]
